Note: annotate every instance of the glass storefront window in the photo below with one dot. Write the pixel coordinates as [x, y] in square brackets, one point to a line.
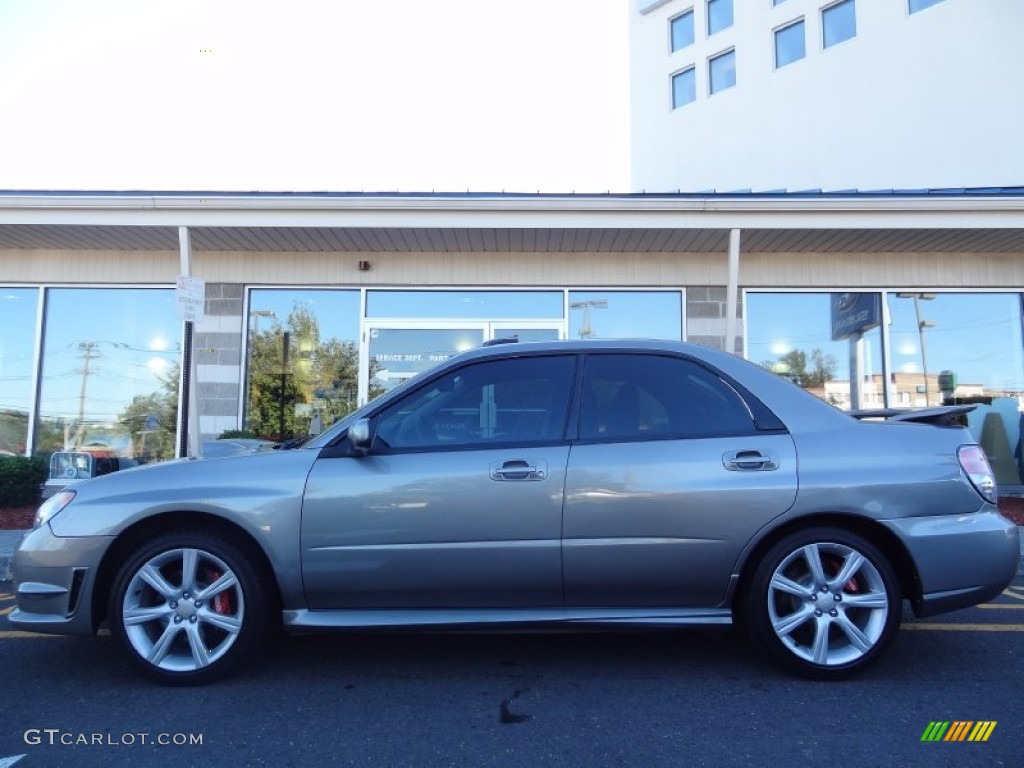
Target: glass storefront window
[625, 314]
[110, 369]
[963, 348]
[814, 339]
[482, 305]
[17, 350]
[303, 360]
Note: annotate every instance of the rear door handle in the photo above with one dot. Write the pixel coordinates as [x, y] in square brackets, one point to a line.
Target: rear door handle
[749, 461]
[518, 469]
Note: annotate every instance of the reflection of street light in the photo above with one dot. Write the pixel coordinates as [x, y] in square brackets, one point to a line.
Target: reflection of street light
[256, 314]
[921, 325]
[585, 330]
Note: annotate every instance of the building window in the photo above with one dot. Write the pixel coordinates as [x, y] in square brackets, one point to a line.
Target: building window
[811, 338]
[303, 355]
[789, 44]
[722, 72]
[681, 28]
[719, 15]
[17, 352]
[109, 393]
[625, 315]
[838, 23]
[684, 87]
[919, 5]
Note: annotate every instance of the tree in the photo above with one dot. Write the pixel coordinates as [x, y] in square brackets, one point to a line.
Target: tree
[152, 420]
[793, 366]
[294, 372]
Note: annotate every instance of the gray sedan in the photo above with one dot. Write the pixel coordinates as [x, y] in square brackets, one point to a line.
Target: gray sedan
[559, 483]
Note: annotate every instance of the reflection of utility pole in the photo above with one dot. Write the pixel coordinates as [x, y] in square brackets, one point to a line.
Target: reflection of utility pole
[921, 325]
[586, 331]
[286, 340]
[88, 349]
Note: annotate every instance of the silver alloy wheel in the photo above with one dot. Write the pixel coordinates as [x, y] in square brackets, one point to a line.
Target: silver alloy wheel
[183, 610]
[828, 604]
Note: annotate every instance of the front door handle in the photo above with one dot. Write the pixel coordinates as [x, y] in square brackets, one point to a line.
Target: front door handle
[518, 469]
[749, 461]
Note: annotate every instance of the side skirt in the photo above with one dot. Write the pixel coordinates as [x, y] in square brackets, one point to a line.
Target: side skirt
[637, 617]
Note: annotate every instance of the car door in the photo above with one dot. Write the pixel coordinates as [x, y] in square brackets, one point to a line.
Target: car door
[458, 503]
[669, 479]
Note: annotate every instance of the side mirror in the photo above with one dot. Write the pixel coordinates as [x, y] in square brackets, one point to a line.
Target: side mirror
[360, 437]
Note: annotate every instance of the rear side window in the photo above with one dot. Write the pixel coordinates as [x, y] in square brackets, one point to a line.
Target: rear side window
[640, 397]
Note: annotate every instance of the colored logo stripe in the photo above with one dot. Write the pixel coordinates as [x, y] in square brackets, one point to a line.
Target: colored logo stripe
[982, 730]
[958, 730]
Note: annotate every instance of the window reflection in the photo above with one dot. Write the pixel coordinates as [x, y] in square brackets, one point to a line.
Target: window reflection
[303, 361]
[110, 369]
[950, 348]
[483, 305]
[17, 347]
[625, 314]
[811, 338]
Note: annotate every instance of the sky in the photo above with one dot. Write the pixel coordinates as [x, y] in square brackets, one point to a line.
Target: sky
[315, 95]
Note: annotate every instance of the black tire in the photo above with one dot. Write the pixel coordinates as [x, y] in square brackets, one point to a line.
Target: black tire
[823, 631]
[190, 634]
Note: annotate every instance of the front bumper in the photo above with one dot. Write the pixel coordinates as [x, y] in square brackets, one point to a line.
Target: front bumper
[961, 560]
[54, 579]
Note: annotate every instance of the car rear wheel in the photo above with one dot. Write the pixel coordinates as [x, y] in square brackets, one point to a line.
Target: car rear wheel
[188, 606]
[824, 602]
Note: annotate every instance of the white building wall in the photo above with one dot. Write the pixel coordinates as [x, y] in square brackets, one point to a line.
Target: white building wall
[924, 100]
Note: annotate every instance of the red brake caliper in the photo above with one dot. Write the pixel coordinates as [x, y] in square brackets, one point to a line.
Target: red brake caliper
[851, 585]
[221, 602]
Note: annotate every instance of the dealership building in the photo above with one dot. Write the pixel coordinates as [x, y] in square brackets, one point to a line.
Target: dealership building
[869, 296]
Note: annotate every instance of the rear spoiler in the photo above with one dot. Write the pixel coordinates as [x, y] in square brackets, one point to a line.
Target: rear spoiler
[943, 416]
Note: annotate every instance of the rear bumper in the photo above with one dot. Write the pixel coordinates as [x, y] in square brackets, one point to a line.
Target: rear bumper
[54, 579]
[961, 560]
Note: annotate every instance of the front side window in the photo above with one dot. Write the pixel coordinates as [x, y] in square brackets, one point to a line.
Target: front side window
[719, 15]
[516, 401]
[919, 5]
[789, 44]
[722, 72]
[681, 28]
[684, 87]
[642, 397]
[838, 23]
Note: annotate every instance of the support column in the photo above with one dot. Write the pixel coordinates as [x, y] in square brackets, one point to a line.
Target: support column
[189, 443]
[732, 291]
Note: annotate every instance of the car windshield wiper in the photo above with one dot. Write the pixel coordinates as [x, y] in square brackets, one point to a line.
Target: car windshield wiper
[294, 442]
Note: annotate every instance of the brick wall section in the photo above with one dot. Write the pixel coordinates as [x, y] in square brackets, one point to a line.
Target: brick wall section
[217, 346]
[706, 316]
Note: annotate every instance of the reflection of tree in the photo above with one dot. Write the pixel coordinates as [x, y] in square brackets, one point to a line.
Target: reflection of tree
[321, 375]
[794, 366]
[151, 419]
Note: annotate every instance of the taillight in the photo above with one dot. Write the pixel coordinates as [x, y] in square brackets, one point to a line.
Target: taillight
[975, 465]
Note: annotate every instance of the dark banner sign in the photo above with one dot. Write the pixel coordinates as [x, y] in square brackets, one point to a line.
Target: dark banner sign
[854, 313]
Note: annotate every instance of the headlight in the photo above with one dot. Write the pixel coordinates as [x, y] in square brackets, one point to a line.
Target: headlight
[52, 506]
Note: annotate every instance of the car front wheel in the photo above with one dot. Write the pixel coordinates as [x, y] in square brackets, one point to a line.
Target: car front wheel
[188, 606]
[824, 602]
